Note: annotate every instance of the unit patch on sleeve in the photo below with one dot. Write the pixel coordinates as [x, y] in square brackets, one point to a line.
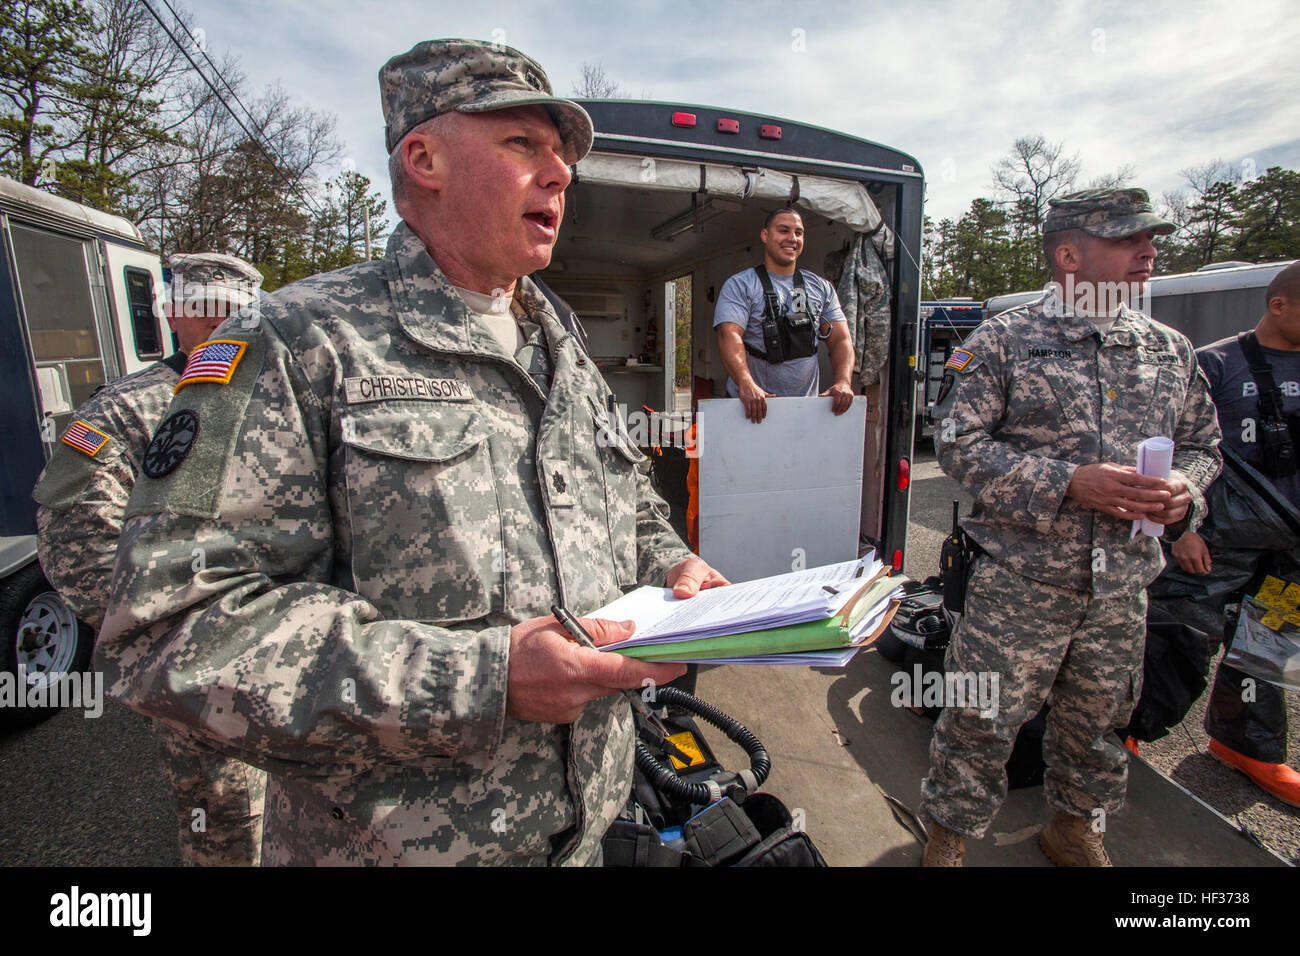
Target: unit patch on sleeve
[959, 360]
[84, 438]
[945, 387]
[213, 361]
[171, 443]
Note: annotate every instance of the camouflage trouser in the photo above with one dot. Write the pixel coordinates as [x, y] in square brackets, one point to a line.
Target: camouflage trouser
[230, 794]
[1082, 654]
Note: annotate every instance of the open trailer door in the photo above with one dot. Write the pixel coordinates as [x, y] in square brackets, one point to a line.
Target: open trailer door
[670, 203]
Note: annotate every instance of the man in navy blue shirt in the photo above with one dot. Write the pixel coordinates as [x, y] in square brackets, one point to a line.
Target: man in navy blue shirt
[1248, 730]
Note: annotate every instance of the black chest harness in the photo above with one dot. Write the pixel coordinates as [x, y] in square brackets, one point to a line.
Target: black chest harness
[786, 334]
[1279, 433]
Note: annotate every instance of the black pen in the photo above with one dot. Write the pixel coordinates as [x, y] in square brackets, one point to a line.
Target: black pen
[571, 625]
[660, 732]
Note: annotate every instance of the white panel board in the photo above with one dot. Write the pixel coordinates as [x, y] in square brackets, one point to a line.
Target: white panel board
[783, 491]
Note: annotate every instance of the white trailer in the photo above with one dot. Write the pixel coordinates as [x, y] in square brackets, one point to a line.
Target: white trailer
[80, 306]
[1210, 304]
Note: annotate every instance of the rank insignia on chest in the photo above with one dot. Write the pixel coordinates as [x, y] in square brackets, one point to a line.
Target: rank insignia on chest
[557, 481]
[959, 360]
[213, 361]
[84, 438]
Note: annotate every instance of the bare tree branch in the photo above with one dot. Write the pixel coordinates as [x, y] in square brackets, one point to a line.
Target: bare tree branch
[1121, 177]
[1033, 172]
[594, 84]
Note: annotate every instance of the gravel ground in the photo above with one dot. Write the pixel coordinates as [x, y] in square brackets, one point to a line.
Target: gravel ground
[1181, 755]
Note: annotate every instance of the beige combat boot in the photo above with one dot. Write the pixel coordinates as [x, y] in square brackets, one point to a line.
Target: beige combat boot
[1071, 841]
[944, 848]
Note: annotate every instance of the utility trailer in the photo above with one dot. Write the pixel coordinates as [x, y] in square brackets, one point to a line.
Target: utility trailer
[1207, 305]
[80, 305]
[670, 203]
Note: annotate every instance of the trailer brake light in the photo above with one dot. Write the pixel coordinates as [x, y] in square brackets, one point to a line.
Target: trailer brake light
[904, 473]
[728, 126]
[684, 119]
[769, 131]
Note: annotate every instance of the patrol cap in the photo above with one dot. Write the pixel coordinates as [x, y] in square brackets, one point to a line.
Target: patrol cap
[472, 76]
[1105, 213]
[211, 277]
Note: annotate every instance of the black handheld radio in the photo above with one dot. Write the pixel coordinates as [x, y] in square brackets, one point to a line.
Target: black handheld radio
[953, 564]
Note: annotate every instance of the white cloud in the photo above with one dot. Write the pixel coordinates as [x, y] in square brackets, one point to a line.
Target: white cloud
[1161, 86]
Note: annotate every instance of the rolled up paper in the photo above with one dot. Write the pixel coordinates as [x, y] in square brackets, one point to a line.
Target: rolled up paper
[1155, 458]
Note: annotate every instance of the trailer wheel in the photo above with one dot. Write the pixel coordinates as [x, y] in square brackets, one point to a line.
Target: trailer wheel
[43, 642]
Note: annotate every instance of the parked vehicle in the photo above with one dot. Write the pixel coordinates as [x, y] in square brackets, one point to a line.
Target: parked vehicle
[80, 305]
[944, 326]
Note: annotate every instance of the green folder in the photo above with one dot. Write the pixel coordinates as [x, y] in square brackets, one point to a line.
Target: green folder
[824, 635]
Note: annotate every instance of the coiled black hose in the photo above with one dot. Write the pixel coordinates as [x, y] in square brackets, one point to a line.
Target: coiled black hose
[665, 781]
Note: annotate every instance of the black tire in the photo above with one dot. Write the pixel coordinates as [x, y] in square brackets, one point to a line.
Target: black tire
[40, 631]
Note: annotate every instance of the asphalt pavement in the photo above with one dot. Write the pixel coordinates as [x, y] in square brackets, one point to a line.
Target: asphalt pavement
[80, 791]
[85, 791]
[1182, 755]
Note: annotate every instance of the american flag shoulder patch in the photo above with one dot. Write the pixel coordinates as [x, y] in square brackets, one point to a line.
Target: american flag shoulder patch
[959, 360]
[84, 438]
[213, 361]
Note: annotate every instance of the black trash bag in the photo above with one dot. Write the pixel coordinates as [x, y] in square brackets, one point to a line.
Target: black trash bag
[668, 468]
[1245, 511]
[1025, 766]
[1248, 525]
[1246, 714]
[1174, 673]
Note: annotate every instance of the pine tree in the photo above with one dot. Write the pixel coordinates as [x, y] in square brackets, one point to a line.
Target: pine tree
[42, 52]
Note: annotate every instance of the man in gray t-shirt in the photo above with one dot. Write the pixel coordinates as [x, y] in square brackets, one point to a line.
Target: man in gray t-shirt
[739, 315]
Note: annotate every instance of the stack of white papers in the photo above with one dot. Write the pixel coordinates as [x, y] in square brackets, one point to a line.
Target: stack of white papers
[814, 594]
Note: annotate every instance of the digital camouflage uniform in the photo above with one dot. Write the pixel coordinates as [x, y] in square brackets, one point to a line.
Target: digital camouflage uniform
[470, 76]
[83, 498]
[378, 495]
[1057, 604]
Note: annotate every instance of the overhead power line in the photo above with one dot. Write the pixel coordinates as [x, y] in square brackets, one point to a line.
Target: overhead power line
[295, 186]
[215, 68]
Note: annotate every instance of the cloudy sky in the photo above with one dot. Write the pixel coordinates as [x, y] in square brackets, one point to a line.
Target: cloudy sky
[1160, 86]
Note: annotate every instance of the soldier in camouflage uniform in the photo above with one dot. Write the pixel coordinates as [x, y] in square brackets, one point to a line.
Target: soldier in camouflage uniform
[83, 494]
[1042, 412]
[386, 490]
